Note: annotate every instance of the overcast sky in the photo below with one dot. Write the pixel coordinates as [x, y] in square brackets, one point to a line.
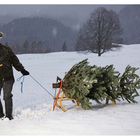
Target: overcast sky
[53, 10]
[71, 15]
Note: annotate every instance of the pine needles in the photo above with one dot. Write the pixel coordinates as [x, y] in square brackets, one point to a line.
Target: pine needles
[101, 84]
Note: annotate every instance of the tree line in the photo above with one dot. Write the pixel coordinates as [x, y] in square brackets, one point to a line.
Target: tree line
[29, 47]
[32, 47]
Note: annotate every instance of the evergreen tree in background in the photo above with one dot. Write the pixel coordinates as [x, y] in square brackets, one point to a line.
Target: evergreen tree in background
[101, 84]
[64, 47]
[25, 46]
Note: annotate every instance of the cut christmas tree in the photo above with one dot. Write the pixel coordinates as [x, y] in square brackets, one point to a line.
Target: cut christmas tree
[129, 83]
[102, 84]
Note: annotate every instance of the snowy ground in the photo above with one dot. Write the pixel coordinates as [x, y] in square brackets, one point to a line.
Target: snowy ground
[32, 108]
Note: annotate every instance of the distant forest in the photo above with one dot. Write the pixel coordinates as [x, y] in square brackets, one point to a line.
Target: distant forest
[37, 34]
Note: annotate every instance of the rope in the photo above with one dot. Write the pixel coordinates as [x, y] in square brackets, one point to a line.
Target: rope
[22, 82]
[41, 86]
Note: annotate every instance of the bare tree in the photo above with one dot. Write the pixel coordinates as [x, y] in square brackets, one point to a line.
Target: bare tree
[101, 30]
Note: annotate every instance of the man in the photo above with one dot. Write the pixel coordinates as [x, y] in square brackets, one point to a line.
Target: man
[8, 60]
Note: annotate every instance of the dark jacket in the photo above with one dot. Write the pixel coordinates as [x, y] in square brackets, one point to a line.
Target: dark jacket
[7, 60]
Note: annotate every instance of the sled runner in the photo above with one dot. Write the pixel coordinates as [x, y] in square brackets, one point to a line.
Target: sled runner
[60, 96]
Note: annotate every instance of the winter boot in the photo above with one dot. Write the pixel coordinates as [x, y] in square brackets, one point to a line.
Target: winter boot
[9, 117]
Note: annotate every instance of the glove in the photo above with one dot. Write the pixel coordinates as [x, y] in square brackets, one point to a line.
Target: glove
[25, 72]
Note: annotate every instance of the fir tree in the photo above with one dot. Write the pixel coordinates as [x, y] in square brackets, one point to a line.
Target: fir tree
[129, 84]
[84, 83]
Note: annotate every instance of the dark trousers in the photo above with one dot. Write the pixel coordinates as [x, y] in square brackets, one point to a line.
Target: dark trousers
[7, 96]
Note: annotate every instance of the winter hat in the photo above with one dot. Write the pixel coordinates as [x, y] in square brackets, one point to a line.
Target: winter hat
[1, 34]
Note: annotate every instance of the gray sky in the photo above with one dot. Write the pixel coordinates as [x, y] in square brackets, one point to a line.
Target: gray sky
[71, 15]
[55, 10]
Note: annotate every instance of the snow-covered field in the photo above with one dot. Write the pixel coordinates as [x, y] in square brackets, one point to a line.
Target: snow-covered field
[32, 108]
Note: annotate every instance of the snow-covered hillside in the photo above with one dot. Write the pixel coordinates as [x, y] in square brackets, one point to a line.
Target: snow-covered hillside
[32, 108]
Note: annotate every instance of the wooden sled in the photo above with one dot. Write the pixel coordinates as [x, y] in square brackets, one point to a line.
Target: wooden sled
[60, 97]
